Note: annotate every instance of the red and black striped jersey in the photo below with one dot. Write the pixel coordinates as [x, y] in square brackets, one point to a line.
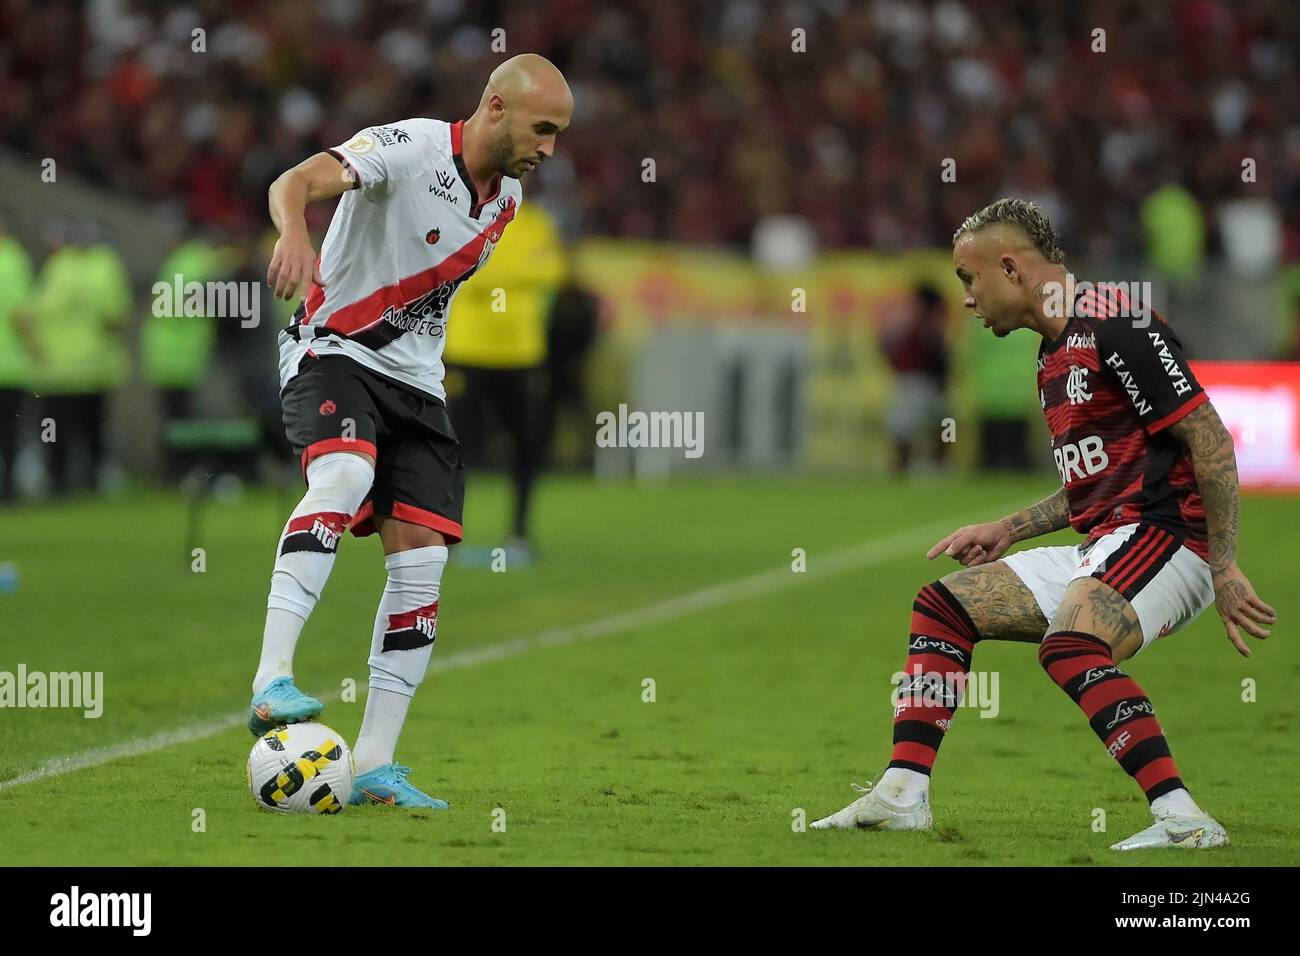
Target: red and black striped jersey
[1110, 386]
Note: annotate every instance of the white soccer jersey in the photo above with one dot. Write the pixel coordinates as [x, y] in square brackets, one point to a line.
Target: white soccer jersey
[397, 250]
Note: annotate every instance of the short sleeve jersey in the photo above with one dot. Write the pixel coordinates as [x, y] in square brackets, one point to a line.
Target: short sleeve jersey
[399, 246]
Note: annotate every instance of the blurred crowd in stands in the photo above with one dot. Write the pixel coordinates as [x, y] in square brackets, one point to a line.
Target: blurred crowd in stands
[846, 124]
[1163, 133]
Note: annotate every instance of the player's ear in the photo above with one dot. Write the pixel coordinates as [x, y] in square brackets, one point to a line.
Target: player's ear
[1010, 269]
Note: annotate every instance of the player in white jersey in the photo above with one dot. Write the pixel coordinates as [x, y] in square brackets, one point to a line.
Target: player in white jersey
[423, 204]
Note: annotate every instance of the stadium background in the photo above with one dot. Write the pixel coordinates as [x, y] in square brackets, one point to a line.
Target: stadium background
[756, 195]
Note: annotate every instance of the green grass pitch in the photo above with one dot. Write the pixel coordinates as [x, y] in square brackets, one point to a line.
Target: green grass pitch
[771, 688]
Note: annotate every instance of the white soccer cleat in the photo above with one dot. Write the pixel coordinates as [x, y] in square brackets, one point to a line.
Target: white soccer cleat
[1177, 831]
[871, 812]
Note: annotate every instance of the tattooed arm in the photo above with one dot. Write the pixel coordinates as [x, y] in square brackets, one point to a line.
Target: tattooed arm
[1050, 514]
[1215, 465]
[982, 543]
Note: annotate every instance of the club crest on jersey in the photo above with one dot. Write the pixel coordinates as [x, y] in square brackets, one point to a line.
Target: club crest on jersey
[1076, 386]
[328, 407]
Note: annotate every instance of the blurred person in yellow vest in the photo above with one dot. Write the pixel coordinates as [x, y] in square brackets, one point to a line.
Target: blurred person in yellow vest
[15, 356]
[1174, 228]
[178, 336]
[78, 311]
[496, 345]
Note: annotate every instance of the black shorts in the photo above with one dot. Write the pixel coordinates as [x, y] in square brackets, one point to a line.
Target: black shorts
[419, 475]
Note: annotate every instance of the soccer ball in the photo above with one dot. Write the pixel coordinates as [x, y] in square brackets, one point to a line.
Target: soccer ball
[301, 768]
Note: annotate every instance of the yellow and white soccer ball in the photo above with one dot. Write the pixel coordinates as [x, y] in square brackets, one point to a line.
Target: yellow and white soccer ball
[301, 768]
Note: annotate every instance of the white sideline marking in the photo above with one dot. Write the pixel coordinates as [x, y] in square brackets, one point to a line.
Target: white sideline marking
[851, 558]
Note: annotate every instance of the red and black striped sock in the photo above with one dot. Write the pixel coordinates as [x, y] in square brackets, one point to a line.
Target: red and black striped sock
[1120, 713]
[938, 662]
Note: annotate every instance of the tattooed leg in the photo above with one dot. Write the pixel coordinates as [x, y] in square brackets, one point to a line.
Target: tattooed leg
[1092, 631]
[999, 604]
[949, 617]
[1093, 607]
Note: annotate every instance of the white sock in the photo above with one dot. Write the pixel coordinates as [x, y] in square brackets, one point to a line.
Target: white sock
[400, 647]
[1177, 801]
[380, 728]
[279, 638]
[337, 483]
[903, 787]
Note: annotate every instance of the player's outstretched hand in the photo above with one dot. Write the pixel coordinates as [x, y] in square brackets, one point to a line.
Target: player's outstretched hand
[1240, 608]
[975, 543]
[293, 263]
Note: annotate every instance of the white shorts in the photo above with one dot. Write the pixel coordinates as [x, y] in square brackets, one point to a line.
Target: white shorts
[1167, 583]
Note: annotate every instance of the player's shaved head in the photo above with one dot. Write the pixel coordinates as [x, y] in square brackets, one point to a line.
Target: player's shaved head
[525, 104]
[529, 78]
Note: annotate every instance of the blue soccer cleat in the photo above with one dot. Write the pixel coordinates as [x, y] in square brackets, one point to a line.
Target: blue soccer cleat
[387, 784]
[281, 703]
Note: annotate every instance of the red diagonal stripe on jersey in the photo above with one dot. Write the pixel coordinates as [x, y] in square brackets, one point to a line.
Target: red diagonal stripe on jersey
[336, 521]
[406, 619]
[315, 296]
[1163, 547]
[362, 314]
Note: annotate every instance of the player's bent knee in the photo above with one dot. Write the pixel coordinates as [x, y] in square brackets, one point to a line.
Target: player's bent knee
[939, 614]
[341, 472]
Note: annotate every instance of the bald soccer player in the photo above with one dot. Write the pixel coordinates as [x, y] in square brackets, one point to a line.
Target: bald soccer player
[423, 204]
[1148, 476]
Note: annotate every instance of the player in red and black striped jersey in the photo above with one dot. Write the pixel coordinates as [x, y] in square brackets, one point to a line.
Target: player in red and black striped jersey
[1148, 476]
[1111, 384]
